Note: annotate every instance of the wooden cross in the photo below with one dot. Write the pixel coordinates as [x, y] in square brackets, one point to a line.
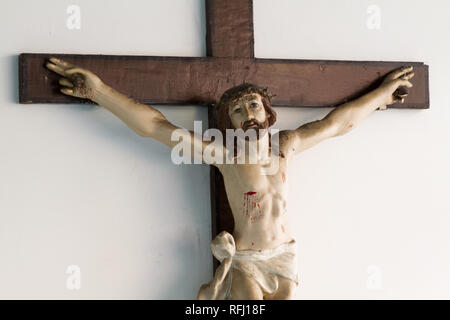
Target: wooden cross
[230, 61]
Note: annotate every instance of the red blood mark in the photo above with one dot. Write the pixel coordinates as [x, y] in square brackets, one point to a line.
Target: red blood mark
[250, 204]
[350, 126]
[249, 198]
[283, 177]
[253, 244]
[282, 228]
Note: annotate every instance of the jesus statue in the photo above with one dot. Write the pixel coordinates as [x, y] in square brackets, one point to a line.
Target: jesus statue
[258, 261]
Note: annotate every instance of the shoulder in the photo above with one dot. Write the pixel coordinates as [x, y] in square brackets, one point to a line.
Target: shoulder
[287, 140]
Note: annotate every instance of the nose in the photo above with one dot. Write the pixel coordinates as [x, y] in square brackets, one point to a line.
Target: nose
[249, 112]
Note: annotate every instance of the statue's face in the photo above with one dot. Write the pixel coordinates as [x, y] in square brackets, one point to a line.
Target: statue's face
[248, 112]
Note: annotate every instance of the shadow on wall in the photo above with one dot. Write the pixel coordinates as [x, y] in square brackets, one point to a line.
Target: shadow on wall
[14, 76]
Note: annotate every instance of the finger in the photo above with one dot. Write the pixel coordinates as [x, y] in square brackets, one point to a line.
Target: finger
[67, 91]
[65, 82]
[399, 72]
[55, 68]
[408, 76]
[61, 63]
[399, 100]
[406, 83]
[76, 70]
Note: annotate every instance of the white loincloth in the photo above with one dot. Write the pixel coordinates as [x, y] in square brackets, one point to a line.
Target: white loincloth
[262, 266]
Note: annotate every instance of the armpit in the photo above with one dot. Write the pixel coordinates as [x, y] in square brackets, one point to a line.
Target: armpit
[286, 141]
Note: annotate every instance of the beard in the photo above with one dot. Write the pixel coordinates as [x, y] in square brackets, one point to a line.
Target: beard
[256, 125]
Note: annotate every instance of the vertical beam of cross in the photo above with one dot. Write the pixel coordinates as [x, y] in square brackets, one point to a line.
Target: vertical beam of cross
[229, 29]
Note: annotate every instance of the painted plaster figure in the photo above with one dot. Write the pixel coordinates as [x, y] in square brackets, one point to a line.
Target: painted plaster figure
[258, 260]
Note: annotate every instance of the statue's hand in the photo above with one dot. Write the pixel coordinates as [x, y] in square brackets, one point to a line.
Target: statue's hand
[77, 82]
[393, 88]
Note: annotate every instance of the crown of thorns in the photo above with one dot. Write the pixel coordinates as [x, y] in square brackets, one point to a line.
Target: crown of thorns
[233, 95]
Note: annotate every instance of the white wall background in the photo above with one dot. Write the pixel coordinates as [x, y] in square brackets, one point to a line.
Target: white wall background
[370, 209]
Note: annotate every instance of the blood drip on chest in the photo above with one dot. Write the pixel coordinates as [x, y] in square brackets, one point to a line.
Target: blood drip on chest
[252, 208]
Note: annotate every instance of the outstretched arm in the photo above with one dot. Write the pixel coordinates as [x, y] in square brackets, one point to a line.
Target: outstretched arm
[351, 114]
[142, 119]
[347, 116]
[82, 83]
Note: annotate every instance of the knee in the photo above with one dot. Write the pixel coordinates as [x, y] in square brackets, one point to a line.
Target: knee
[286, 290]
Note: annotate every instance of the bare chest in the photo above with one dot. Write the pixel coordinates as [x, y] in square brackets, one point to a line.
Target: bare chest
[251, 189]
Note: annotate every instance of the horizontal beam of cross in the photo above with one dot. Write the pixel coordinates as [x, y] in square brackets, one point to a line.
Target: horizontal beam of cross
[185, 80]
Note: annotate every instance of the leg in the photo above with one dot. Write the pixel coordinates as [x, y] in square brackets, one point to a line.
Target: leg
[214, 290]
[286, 290]
[244, 287]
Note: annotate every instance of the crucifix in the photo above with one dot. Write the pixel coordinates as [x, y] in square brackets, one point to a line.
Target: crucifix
[230, 63]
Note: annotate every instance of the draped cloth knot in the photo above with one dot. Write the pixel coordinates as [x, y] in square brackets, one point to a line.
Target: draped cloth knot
[223, 246]
[263, 266]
